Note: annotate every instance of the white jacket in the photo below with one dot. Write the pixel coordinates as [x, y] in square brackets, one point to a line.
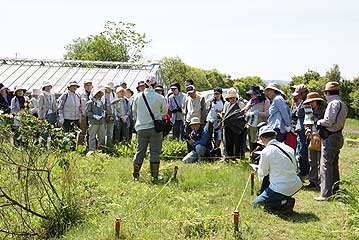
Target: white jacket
[282, 170]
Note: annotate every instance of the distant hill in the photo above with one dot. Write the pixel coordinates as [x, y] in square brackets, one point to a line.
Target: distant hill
[284, 82]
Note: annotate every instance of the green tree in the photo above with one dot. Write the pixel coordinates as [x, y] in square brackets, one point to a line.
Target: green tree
[243, 84]
[333, 74]
[118, 42]
[175, 70]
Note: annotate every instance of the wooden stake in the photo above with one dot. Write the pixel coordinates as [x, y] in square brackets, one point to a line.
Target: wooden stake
[252, 183]
[236, 222]
[117, 227]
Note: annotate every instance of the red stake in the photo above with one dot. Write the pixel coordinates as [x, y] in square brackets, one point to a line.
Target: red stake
[117, 227]
[236, 221]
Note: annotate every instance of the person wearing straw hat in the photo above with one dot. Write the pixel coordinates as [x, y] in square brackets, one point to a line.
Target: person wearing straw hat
[176, 101]
[85, 97]
[34, 102]
[107, 98]
[298, 115]
[47, 103]
[333, 124]
[233, 125]
[278, 162]
[316, 112]
[200, 142]
[5, 99]
[95, 112]
[279, 112]
[122, 113]
[144, 104]
[19, 101]
[70, 107]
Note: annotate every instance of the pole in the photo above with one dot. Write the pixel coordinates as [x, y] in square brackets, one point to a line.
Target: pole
[236, 222]
[252, 183]
[117, 227]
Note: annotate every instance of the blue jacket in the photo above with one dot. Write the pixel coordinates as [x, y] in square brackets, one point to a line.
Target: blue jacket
[279, 114]
[202, 139]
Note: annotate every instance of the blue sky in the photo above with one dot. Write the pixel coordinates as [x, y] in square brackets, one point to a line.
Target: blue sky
[273, 39]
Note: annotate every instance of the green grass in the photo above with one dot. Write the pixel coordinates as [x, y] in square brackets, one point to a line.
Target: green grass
[200, 206]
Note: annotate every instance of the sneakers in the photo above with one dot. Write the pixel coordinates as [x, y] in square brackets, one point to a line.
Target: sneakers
[289, 205]
[321, 198]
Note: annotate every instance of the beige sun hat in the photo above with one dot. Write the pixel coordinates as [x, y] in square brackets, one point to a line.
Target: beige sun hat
[17, 88]
[301, 88]
[110, 85]
[274, 86]
[313, 96]
[332, 86]
[232, 93]
[120, 89]
[46, 83]
[96, 91]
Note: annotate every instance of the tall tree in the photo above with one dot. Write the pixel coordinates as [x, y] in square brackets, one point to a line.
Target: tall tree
[333, 74]
[118, 42]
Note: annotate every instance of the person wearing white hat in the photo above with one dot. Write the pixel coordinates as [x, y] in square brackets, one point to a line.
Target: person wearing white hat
[279, 112]
[85, 97]
[200, 142]
[278, 162]
[70, 107]
[47, 103]
[106, 99]
[122, 113]
[95, 112]
[233, 125]
[19, 101]
[34, 102]
[5, 99]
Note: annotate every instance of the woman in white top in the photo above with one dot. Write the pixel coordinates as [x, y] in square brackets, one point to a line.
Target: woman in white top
[214, 116]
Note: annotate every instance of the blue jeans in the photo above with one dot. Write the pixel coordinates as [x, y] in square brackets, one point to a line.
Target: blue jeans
[270, 199]
[302, 153]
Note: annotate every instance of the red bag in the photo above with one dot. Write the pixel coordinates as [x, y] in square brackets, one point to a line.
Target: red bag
[291, 140]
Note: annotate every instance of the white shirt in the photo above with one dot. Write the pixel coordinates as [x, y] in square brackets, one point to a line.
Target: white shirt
[282, 171]
[212, 115]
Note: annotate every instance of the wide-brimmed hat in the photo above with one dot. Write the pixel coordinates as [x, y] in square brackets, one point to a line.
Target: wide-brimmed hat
[17, 88]
[88, 81]
[265, 129]
[120, 89]
[36, 91]
[46, 83]
[232, 93]
[96, 91]
[159, 88]
[190, 89]
[332, 86]
[274, 86]
[2, 87]
[110, 85]
[140, 83]
[73, 83]
[254, 90]
[195, 120]
[301, 88]
[313, 96]
[174, 85]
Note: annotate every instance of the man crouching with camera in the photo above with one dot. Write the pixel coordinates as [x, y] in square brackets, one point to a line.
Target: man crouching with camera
[199, 142]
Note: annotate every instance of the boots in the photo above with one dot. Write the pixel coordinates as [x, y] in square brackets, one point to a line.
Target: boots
[136, 171]
[154, 171]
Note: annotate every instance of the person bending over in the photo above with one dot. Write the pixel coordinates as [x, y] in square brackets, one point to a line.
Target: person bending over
[199, 142]
[278, 161]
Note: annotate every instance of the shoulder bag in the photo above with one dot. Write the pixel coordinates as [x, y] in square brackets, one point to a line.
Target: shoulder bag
[159, 124]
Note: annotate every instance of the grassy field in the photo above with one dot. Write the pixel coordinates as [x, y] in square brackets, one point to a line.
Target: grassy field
[200, 204]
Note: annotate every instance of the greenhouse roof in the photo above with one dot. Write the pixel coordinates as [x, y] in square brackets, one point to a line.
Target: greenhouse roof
[30, 73]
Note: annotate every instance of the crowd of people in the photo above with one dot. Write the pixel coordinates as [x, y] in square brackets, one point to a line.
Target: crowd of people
[262, 125]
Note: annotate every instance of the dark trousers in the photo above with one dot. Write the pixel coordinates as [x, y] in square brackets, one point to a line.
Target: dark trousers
[233, 143]
[120, 132]
[188, 130]
[302, 153]
[280, 136]
[69, 125]
[178, 129]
